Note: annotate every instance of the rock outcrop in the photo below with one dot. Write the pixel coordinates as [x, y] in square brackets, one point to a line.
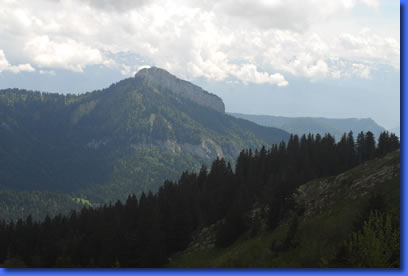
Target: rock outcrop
[161, 79]
[204, 238]
[319, 195]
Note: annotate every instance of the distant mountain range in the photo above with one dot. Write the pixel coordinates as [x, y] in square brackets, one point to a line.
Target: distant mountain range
[314, 125]
[103, 145]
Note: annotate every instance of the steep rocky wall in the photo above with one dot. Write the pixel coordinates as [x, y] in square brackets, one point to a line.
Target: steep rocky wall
[156, 77]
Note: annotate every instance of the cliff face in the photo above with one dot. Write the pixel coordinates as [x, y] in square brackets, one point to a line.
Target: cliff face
[156, 77]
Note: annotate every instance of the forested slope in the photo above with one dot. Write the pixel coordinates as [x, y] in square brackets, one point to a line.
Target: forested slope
[103, 145]
[146, 231]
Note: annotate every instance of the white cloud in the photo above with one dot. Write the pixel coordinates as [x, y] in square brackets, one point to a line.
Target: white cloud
[371, 3]
[63, 53]
[336, 74]
[126, 70]
[369, 46]
[211, 39]
[48, 72]
[249, 73]
[292, 15]
[21, 68]
[361, 70]
[347, 69]
[116, 5]
[6, 66]
[142, 67]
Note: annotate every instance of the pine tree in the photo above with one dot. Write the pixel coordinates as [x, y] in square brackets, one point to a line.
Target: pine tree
[361, 148]
[369, 145]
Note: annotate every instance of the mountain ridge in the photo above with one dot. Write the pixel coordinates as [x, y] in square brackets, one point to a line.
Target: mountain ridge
[314, 125]
[103, 145]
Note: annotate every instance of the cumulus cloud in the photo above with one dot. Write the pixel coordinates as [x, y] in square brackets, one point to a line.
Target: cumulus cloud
[249, 73]
[345, 69]
[216, 40]
[6, 66]
[371, 3]
[289, 14]
[21, 68]
[48, 72]
[361, 70]
[116, 5]
[370, 46]
[63, 53]
[307, 65]
[126, 70]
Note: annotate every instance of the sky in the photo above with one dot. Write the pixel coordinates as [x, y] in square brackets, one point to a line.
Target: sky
[309, 58]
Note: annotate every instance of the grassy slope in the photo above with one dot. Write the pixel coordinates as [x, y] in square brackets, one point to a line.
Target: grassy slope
[320, 231]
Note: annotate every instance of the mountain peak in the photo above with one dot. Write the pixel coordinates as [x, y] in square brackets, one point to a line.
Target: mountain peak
[154, 72]
[161, 79]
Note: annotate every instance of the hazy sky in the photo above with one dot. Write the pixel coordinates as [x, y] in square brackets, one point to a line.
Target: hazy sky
[337, 58]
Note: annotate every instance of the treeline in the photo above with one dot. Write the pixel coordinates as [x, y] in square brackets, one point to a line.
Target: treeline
[144, 232]
[20, 204]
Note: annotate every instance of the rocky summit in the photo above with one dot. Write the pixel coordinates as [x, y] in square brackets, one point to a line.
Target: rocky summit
[161, 79]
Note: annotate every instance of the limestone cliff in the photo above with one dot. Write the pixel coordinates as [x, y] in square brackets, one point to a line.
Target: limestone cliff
[156, 77]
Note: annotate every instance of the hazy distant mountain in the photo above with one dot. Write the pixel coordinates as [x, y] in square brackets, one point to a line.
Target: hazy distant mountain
[302, 125]
[396, 130]
[127, 138]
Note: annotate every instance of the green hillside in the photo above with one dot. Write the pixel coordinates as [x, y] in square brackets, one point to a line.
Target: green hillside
[308, 203]
[331, 211]
[128, 138]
